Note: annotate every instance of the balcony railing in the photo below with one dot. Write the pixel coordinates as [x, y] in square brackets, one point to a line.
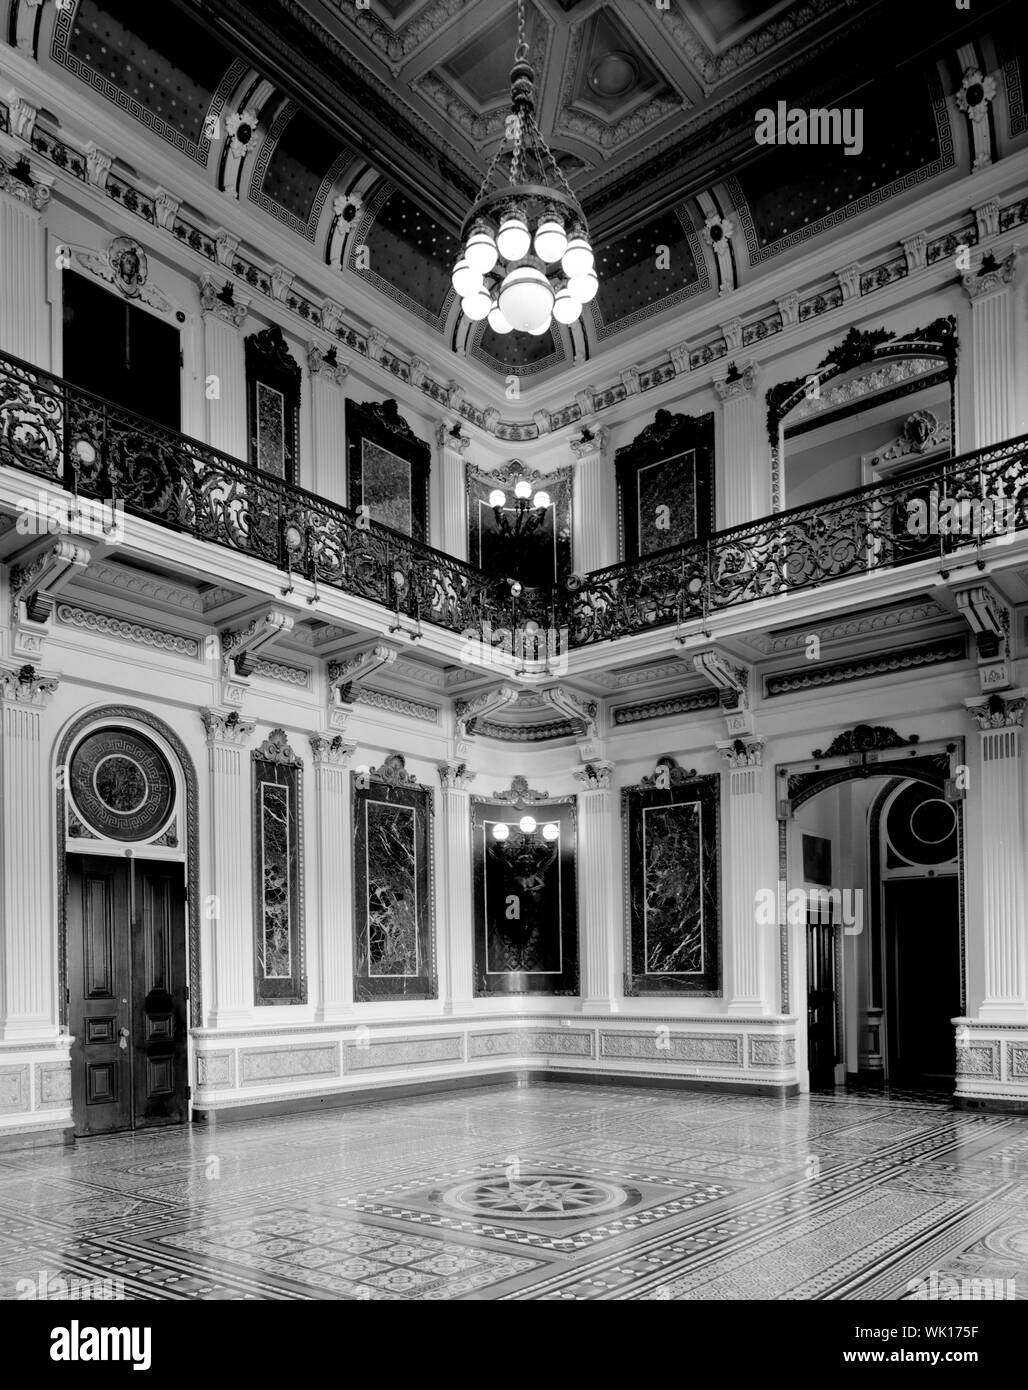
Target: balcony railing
[99, 451]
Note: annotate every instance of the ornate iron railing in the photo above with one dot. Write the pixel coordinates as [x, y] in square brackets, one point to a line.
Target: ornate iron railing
[98, 450]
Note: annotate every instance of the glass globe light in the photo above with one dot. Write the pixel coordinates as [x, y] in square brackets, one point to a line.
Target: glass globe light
[526, 297]
[513, 239]
[477, 304]
[293, 537]
[84, 452]
[480, 251]
[578, 258]
[515, 588]
[465, 278]
[583, 287]
[527, 824]
[522, 488]
[537, 330]
[501, 831]
[551, 240]
[566, 308]
[551, 831]
[497, 498]
[541, 499]
[497, 322]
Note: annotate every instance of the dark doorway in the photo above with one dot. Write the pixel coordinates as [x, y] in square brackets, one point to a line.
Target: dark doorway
[117, 350]
[126, 955]
[821, 1032]
[922, 967]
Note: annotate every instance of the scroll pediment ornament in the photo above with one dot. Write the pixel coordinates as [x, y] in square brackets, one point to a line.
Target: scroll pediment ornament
[468, 713]
[921, 431]
[241, 646]
[513, 472]
[276, 749]
[270, 344]
[667, 773]
[345, 678]
[519, 793]
[864, 738]
[393, 772]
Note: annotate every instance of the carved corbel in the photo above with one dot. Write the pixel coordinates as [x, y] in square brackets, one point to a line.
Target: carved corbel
[345, 678]
[467, 713]
[582, 712]
[39, 575]
[732, 681]
[242, 646]
[989, 619]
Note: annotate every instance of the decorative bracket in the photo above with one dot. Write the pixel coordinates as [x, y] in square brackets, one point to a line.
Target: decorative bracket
[732, 681]
[40, 573]
[345, 678]
[241, 647]
[467, 713]
[989, 619]
[582, 712]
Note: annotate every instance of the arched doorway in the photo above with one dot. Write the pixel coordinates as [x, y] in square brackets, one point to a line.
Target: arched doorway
[127, 898]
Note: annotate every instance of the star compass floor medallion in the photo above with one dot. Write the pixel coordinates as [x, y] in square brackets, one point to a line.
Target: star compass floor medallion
[548, 1195]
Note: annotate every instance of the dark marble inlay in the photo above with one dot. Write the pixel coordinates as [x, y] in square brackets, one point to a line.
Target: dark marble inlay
[278, 929]
[386, 488]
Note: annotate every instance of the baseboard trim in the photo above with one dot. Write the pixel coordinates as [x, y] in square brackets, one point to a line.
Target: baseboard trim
[1000, 1104]
[779, 1089]
[13, 1140]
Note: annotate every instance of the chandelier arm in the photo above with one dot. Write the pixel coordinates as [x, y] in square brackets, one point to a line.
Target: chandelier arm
[553, 162]
[484, 185]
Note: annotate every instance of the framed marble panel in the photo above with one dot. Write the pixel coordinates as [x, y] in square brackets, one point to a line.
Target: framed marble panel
[394, 947]
[525, 917]
[671, 824]
[279, 966]
[665, 483]
[388, 468]
[272, 405]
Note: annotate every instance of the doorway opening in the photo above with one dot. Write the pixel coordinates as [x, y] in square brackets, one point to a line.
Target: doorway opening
[126, 942]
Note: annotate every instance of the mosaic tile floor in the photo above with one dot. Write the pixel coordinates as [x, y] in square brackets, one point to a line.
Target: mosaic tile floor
[550, 1192]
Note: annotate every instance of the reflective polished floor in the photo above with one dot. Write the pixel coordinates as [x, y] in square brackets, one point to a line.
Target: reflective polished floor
[545, 1192]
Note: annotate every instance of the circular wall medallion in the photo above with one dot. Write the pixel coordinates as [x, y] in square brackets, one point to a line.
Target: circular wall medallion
[531, 1195]
[613, 75]
[121, 785]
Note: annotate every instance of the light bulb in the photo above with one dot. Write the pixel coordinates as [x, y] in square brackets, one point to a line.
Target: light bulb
[541, 500]
[526, 297]
[501, 831]
[537, 330]
[578, 258]
[497, 322]
[527, 824]
[566, 308]
[481, 248]
[551, 240]
[551, 831]
[497, 498]
[583, 287]
[477, 304]
[522, 488]
[465, 278]
[513, 239]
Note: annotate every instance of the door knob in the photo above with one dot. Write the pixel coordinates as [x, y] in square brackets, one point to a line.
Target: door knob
[123, 1034]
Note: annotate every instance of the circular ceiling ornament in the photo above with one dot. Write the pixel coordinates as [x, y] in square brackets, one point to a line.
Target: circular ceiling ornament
[537, 1195]
[614, 75]
[121, 785]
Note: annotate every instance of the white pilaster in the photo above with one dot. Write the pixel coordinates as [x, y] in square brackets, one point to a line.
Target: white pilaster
[993, 357]
[335, 905]
[744, 480]
[750, 847]
[231, 908]
[1001, 912]
[22, 267]
[27, 1004]
[458, 925]
[452, 529]
[225, 385]
[599, 908]
[594, 521]
[327, 476]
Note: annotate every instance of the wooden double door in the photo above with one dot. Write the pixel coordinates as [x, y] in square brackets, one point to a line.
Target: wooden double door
[126, 960]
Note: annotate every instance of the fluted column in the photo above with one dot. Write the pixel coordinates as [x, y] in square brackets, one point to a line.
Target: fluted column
[225, 375]
[27, 931]
[453, 527]
[594, 539]
[1000, 793]
[744, 480]
[458, 926]
[230, 906]
[23, 264]
[327, 476]
[335, 875]
[599, 910]
[749, 866]
[993, 355]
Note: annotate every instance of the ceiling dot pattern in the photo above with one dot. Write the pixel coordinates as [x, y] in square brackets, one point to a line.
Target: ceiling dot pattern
[155, 55]
[514, 350]
[303, 156]
[412, 252]
[631, 270]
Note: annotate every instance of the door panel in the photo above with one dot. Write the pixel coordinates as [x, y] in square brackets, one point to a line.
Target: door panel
[821, 1004]
[98, 984]
[922, 935]
[127, 996]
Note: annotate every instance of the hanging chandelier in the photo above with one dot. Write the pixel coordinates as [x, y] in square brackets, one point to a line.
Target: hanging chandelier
[525, 255]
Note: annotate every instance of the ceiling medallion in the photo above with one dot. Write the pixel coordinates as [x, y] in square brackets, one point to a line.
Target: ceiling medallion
[512, 235]
[613, 75]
